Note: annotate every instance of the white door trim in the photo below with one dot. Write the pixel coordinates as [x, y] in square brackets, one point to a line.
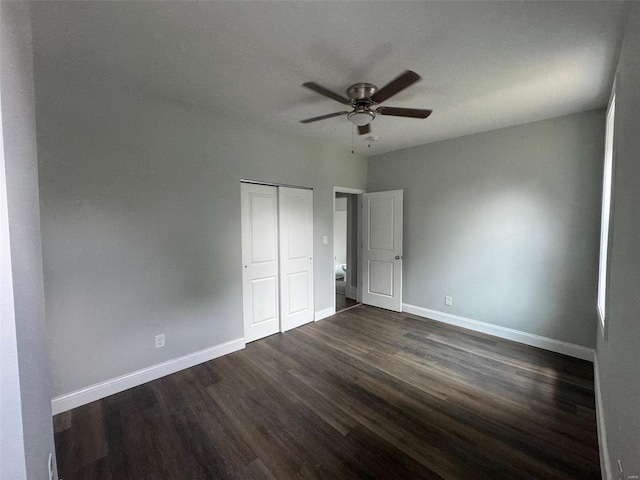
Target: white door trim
[354, 191]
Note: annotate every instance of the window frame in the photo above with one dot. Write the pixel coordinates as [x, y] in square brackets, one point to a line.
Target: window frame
[606, 215]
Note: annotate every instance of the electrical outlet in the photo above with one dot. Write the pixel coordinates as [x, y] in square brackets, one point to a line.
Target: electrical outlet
[160, 340]
[448, 300]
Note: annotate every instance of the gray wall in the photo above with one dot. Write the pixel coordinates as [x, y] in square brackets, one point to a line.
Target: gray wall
[340, 231]
[26, 433]
[140, 203]
[506, 222]
[618, 352]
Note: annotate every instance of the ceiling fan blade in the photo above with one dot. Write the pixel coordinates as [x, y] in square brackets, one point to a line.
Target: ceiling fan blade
[403, 112]
[364, 129]
[327, 93]
[395, 86]
[323, 117]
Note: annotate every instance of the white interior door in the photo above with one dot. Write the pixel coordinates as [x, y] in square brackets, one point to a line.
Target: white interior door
[296, 257]
[382, 249]
[260, 260]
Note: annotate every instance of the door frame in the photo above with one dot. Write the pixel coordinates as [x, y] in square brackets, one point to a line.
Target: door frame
[354, 191]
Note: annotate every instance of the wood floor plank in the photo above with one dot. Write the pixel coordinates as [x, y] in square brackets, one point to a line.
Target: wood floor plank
[321, 407]
[88, 441]
[98, 470]
[276, 452]
[366, 393]
[62, 422]
[370, 411]
[215, 428]
[256, 470]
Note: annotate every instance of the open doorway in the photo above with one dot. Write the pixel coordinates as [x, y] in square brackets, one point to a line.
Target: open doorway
[345, 249]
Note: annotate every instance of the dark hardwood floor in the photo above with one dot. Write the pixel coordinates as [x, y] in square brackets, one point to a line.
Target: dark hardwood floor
[342, 302]
[364, 394]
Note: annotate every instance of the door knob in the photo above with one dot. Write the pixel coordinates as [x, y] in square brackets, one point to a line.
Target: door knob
[398, 257]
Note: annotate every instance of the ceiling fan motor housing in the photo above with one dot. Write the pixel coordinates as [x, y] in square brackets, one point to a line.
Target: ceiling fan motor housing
[361, 91]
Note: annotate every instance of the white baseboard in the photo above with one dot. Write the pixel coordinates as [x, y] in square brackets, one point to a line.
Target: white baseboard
[327, 312]
[124, 382]
[546, 343]
[605, 461]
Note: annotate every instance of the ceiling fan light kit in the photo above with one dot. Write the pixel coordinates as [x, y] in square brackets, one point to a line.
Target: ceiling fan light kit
[361, 117]
[363, 97]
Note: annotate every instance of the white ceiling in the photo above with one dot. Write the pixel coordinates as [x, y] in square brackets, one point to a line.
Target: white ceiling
[485, 65]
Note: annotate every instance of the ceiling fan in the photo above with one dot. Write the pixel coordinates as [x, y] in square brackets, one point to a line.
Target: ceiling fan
[363, 98]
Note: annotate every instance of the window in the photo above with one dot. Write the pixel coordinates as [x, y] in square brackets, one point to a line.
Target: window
[606, 209]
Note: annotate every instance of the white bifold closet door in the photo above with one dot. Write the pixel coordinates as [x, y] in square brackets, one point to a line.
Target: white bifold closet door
[277, 259]
[296, 257]
[260, 264]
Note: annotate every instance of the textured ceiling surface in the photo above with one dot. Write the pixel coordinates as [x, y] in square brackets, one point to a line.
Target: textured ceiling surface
[485, 65]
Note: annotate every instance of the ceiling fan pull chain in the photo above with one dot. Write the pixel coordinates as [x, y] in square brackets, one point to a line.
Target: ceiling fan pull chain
[353, 131]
